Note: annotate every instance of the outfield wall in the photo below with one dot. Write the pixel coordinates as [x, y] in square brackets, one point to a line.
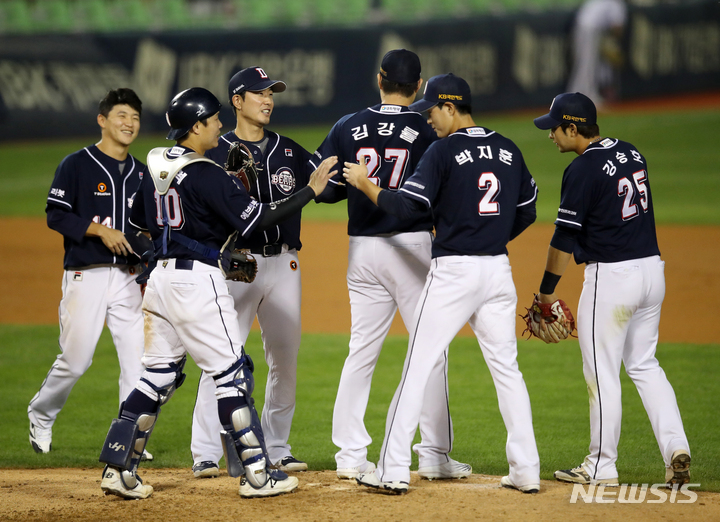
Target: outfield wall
[50, 84]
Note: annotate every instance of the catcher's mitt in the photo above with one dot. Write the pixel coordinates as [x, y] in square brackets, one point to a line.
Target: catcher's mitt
[243, 267]
[559, 321]
[240, 164]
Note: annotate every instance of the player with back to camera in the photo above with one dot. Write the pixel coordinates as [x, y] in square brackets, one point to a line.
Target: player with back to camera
[274, 296]
[388, 260]
[481, 195]
[606, 221]
[194, 211]
[89, 204]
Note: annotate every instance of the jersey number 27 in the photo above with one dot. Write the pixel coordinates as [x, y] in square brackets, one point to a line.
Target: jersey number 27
[373, 162]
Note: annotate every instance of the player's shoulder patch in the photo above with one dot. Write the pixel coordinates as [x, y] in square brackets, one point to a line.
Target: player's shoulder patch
[390, 109]
[176, 151]
[607, 142]
[476, 131]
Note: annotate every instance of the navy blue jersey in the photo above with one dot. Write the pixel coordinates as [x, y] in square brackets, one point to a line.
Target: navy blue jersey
[284, 169]
[203, 204]
[606, 196]
[90, 186]
[476, 182]
[392, 139]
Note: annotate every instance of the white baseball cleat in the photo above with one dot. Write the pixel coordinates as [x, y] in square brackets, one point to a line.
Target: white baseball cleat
[206, 469]
[371, 480]
[351, 473]
[447, 470]
[271, 488]
[290, 463]
[580, 476]
[40, 438]
[679, 470]
[146, 455]
[527, 488]
[113, 484]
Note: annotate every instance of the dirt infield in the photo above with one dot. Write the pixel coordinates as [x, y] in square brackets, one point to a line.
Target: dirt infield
[30, 274]
[66, 494]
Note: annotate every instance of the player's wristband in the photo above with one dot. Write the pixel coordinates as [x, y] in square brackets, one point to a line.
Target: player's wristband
[549, 282]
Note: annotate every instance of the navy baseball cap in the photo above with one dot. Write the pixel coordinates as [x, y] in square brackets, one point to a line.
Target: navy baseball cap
[400, 66]
[253, 79]
[569, 107]
[443, 88]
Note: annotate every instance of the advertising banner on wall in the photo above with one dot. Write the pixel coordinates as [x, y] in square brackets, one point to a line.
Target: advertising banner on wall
[50, 84]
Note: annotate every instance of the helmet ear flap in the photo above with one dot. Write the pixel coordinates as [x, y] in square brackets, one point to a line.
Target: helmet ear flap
[189, 107]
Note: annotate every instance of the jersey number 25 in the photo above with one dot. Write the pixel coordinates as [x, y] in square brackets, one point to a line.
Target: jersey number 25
[626, 190]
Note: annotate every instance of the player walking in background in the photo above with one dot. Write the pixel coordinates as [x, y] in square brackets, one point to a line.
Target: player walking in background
[89, 204]
[194, 211]
[482, 196]
[606, 221]
[274, 296]
[388, 260]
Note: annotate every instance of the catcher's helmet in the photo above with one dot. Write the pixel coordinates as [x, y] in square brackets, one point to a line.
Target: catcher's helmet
[187, 108]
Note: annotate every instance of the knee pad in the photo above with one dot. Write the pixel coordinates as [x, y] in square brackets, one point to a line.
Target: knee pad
[160, 383]
[127, 438]
[236, 381]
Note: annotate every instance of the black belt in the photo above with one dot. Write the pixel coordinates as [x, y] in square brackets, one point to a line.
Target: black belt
[267, 250]
[184, 264]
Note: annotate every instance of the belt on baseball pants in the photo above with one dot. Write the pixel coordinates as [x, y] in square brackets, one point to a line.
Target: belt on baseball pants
[269, 250]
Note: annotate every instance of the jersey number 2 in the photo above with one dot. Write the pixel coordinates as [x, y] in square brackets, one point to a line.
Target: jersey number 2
[372, 162]
[626, 190]
[491, 185]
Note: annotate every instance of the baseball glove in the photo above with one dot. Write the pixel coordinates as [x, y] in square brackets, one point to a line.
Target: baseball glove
[559, 321]
[241, 165]
[243, 267]
[141, 245]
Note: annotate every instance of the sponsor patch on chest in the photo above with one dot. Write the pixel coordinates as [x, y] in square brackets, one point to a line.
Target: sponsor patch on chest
[284, 180]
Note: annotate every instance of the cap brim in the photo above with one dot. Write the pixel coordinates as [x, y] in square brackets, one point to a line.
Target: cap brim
[422, 105]
[546, 122]
[275, 85]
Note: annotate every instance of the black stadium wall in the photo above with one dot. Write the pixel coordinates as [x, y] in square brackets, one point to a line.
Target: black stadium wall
[50, 84]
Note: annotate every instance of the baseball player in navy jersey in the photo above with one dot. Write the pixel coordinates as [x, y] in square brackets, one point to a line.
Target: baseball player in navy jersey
[194, 211]
[606, 221]
[481, 195]
[274, 296]
[89, 204]
[388, 260]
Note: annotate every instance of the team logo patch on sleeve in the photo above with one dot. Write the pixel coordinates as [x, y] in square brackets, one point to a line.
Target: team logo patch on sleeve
[249, 209]
[284, 180]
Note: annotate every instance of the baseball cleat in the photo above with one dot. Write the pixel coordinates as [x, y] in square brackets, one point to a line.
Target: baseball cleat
[290, 463]
[113, 484]
[206, 469]
[527, 488]
[580, 476]
[679, 470]
[352, 473]
[271, 488]
[447, 470]
[40, 438]
[371, 480]
[146, 455]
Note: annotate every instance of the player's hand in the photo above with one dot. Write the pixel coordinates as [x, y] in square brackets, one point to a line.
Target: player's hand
[113, 239]
[319, 179]
[355, 173]
[548, 299]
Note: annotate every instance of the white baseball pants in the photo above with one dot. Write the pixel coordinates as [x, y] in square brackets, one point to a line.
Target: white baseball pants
[275, 298]
[386, 274]
[618, 320]
[460, 289]
[90, 298]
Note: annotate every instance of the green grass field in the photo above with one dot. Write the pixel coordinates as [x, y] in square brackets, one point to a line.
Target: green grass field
[683, 172]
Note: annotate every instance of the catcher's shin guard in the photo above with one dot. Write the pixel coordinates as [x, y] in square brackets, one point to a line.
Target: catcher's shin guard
[127, 438]
[242, 436]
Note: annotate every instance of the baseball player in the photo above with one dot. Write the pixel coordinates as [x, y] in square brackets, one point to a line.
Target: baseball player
[606, 221]
[89, 204]
[388, 260]
[193, 210]
[481, 195]
[274, 296]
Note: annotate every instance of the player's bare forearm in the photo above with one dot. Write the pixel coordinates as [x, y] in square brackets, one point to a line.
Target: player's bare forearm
[113, 239]
[319, 179]
[557, 262]
[356, 175]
